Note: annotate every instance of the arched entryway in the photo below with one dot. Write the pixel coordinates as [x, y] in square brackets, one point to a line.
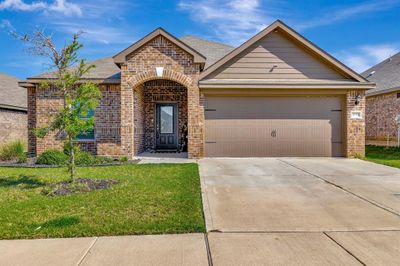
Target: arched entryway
[160, 116]
[136, 134]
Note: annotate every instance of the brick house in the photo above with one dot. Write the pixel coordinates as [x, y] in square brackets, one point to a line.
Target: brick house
[383, 102]
[275, 95]
[13, 110]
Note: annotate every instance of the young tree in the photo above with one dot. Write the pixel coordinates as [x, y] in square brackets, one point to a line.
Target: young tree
[79, 97]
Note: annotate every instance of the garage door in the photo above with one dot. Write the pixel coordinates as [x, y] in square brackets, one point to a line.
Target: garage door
[273, 126]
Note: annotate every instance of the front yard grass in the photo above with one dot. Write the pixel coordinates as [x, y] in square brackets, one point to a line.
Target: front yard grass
[384, 155]
[149, 199]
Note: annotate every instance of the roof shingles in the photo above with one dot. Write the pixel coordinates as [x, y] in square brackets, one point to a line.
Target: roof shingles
[11, 95]
[386, 75]
[106, 69]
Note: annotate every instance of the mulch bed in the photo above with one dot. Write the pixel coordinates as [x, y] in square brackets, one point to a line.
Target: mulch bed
[79, 185]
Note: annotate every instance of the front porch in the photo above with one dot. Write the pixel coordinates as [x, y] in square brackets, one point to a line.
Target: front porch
[160, 113]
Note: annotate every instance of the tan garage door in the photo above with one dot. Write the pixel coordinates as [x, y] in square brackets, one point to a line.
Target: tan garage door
[273, 126]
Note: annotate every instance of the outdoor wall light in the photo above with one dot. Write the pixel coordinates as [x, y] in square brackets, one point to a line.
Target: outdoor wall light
[358, 99]
[159, 71]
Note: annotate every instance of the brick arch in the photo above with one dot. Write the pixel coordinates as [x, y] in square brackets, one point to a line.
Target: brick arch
[168, 74]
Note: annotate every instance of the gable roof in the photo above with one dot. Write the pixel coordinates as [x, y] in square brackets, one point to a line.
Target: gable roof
[12, 96]
[385, 74]
[296, 36]
[121, 56]
[107, 71]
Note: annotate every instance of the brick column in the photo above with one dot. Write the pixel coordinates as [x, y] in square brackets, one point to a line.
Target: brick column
[126, 114]
[31, 121]
[138, 119]
[355, 134]
[195, 121]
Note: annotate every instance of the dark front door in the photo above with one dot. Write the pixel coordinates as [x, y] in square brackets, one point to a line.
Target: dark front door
[166, 127]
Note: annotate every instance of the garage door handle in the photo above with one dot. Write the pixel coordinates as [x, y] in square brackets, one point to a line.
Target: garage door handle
[273, 133]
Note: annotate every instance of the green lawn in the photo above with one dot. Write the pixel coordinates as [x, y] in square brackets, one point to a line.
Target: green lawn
[150, 199]
[383, 155]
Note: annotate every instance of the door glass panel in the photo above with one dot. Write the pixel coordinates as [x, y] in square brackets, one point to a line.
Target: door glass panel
[167, 119]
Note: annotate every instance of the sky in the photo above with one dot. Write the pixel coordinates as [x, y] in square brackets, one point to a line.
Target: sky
[358, 33]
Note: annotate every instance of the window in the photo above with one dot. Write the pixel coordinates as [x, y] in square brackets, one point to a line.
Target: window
[87, 135]
[167, 119]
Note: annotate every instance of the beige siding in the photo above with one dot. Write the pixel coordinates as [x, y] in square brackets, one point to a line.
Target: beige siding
[276, 57]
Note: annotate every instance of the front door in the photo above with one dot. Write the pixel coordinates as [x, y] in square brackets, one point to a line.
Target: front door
[166, 127]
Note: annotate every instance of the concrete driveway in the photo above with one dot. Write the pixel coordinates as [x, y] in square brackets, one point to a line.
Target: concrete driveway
[325, 211]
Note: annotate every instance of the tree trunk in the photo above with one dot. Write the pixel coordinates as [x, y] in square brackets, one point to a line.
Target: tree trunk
[72, 168]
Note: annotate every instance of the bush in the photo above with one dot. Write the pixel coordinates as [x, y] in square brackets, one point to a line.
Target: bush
[56, 157]
[13, 151]
[52, 157]
[124, 159]
[85, 158]
[103, 160]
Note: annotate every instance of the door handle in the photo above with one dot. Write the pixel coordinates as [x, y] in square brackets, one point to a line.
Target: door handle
[273, 133]
[157, 131]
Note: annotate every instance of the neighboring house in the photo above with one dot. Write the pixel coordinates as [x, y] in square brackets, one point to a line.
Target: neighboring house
[276, 95]
[383, 102]
[13, 110]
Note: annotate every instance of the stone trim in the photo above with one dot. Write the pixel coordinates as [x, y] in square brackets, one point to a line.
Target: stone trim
[152, 75]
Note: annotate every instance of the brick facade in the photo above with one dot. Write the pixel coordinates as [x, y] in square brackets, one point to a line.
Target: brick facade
[44, 103]
[13, 126]
[355, 128]
[178, 66]
[123, 124]
[381, 113]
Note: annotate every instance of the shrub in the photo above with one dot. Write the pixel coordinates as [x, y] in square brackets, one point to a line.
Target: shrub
[103, 160]
[56, 157]
[13, 151]
[52, 157]
[124, 159]
[84, 158]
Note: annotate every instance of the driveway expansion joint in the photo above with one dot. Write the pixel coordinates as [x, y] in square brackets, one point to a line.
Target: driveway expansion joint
[208, 249]
[343, 189]
[341, 246]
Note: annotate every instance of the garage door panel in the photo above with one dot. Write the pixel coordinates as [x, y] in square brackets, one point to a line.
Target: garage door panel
[273, 126]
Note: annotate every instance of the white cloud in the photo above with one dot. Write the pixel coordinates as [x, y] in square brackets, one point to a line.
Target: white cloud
[233, 21]
[20, 5]
[363, 57]
[327, 17]
[65, 7]
[59, 6]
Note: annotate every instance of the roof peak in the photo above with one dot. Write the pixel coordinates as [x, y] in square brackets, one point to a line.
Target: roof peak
[121, 56]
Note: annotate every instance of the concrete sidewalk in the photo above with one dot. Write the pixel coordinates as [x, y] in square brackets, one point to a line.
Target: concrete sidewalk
[296, 248]
[184, 249]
